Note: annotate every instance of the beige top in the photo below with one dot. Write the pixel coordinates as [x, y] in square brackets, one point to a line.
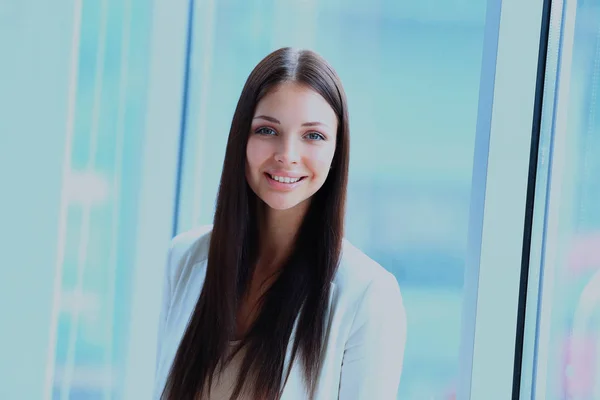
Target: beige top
[224, 383]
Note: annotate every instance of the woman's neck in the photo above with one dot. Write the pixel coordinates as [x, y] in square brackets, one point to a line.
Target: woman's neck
[277, 232]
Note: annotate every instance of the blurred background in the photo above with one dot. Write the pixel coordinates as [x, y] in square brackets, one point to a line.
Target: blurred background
[139, 161]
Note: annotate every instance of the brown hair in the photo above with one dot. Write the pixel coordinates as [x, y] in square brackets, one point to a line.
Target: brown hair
[303, 287]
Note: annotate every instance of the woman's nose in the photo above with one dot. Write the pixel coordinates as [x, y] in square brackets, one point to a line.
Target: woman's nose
[287, 152]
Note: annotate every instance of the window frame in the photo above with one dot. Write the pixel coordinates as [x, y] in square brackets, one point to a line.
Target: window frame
[545, 236]
[501, 178]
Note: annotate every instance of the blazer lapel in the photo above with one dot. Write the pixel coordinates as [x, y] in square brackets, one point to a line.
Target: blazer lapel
[295, 389]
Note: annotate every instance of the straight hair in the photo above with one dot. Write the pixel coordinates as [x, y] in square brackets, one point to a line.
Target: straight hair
[299, 297]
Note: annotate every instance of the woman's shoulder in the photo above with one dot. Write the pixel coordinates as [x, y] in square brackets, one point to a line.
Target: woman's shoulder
[357, 272]
[194, 242]
[187, 249]
[371, 294]
[355, 265]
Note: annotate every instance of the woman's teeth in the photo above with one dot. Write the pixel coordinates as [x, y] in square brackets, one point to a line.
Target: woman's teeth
[284, 179]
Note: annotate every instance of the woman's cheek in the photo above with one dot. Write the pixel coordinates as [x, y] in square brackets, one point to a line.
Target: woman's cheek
[254, 153]
[323, 160]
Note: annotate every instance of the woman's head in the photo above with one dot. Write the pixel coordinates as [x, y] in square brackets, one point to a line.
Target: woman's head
[291, 124]
[291, 121]
[291, 146]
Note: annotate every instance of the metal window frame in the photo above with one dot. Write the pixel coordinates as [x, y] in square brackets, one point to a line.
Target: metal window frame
[501, 177]
[545, 234]
[531, 302]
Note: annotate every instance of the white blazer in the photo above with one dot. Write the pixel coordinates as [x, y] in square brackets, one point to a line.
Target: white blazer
[366, 323]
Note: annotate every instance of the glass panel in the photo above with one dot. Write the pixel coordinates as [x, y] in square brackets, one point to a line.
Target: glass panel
[569, 319]
[411, 71]
[102, 187]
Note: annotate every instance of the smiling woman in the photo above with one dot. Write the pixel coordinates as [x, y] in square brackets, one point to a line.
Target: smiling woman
[272, 302]
[289, 158]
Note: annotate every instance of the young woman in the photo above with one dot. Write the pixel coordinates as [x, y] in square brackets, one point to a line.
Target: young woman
[271, 302]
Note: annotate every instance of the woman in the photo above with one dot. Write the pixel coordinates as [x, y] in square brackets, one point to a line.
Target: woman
[271, 302]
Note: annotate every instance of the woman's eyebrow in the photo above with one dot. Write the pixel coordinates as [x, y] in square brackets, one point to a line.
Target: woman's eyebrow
[267, 118]
[276, 121]
[314, 124]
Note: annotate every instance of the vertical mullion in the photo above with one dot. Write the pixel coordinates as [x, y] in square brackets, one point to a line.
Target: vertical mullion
[499, 198]
[535, 242]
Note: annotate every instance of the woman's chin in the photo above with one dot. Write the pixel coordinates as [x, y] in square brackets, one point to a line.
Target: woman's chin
[282, 203]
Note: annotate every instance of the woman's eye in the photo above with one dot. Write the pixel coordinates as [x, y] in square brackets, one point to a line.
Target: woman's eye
[315, 136]
[265, 131]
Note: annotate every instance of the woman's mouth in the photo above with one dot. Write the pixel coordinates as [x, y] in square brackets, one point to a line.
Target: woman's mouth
[284, 179]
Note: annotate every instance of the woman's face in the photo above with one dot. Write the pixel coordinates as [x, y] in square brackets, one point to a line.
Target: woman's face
[291, 145]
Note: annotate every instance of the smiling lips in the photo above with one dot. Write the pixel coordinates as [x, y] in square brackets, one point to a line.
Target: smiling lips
[284, 181]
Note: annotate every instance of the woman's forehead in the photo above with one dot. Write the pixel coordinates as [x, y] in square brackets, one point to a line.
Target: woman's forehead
[291, 102]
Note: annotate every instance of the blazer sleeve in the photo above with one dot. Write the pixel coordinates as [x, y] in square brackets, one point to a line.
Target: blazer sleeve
[374, 351]
[177, 260]
[163, 315]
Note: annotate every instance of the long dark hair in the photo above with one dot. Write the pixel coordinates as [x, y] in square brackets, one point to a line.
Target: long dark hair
[301, 291]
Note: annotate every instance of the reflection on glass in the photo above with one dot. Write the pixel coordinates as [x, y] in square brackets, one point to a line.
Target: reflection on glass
[411, 72]
[102, 191]
[573, 294]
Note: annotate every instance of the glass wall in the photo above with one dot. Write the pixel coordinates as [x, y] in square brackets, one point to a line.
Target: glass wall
[102, 188]
[567, 345]
[411, 71]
